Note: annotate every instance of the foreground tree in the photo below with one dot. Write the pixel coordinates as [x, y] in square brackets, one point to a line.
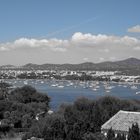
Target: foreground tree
[52, 127]
[19, 109]
[110, 134]
[120, 137]
[81, 120]
[4, 89]
[28, 94]
[134, 132]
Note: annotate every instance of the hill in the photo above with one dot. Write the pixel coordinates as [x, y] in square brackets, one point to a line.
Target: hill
[127, 64]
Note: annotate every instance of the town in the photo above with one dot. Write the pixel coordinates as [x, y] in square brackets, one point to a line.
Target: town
[115, 76]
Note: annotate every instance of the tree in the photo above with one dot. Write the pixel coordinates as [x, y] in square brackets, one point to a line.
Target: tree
[120, 137]
[54, 128]
[134, 132]
[4, 88]
[26, 121]
[28, 94]
[110, 134]
[5, 126]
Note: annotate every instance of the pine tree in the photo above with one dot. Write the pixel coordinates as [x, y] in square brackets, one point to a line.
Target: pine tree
[120, 137]
[134, 132]
[110, 134]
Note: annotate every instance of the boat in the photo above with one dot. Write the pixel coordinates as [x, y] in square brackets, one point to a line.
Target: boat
[134, 87]
[125, 86]
[107, 87]
[60, 86]
[69, 84]
[95, 89]
[138, 92]
[97, 86]
[42, 82]
[107, 91]
[54, 85]
[25, 82]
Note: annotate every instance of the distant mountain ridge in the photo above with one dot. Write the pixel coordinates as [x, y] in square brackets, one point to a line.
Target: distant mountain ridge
[127, 64]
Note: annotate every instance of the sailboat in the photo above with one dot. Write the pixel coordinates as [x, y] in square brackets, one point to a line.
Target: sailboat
[138, 92]
[25, 82]
[134, 87]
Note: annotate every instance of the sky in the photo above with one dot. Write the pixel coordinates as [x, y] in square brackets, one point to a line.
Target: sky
[68, 31]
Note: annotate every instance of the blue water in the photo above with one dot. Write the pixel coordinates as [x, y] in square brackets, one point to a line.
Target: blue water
[69, 93]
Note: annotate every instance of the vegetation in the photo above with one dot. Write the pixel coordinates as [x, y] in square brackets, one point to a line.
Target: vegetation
[19, 107]
[134, 132]
[110, 134]
[81, 120]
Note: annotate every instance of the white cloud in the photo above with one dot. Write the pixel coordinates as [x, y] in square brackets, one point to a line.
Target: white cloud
[79, 48]
[104, 43]
[137, 48]
[112, 58]
[85, 59]
[134, 29]
[104, 50]
[89, 39]
[101, 59]
[25, 43]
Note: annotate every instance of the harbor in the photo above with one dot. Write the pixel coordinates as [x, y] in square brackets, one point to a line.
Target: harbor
[66, 91]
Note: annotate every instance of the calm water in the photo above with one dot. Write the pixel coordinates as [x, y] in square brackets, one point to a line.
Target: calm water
[68, 91]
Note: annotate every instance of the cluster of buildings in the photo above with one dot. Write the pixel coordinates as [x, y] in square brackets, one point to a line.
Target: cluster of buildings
[64, 74]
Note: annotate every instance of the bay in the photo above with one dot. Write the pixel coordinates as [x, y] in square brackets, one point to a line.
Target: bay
[68, 91]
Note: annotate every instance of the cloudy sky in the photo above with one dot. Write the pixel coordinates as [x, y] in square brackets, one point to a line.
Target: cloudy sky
[68, 31]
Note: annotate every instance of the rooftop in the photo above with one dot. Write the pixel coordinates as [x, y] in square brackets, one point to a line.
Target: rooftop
[122, 121]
